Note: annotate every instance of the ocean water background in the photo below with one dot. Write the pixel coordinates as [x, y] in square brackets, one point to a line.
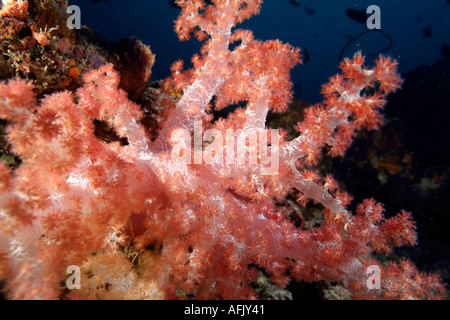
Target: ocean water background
[320, 26]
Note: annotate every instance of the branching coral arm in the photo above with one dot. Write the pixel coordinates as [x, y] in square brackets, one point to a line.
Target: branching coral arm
[216, 20]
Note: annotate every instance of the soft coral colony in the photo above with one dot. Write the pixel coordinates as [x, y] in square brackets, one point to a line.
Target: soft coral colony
[143, 225]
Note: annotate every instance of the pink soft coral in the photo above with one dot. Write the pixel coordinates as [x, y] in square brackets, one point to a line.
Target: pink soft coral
[197, 229]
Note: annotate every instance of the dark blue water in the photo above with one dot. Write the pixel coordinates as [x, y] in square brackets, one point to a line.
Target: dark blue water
[418, 29]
